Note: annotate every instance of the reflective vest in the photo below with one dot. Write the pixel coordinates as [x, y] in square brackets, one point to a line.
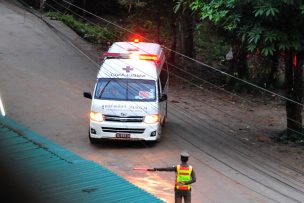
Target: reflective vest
[183, 174]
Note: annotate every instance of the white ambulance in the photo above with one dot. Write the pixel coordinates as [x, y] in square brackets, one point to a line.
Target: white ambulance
[129, 101]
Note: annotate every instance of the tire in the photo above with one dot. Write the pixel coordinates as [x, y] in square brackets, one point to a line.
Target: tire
[165, 117]
[159, 138]
[92, 140]
[152, 143]
[164, 122]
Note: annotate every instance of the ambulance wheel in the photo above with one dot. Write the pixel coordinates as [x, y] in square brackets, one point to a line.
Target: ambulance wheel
[92, 140]
[164, 120]
[153, 142]
[159, 137]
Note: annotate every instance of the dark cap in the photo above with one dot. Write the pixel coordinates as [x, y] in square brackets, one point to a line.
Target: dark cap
[184, 154]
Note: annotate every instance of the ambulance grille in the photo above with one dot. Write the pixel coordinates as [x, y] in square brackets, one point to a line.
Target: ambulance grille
[123, 130]
[138, 119]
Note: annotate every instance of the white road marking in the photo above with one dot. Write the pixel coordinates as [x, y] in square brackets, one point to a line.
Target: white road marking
[2, 108]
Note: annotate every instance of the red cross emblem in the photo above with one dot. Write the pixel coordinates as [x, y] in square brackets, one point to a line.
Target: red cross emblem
[128, 69]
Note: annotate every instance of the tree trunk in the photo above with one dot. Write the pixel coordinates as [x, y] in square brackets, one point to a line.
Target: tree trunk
[185, 33]
[42, 3]
[238, 64]
[158, 24]
[274, 70]
[188, 34]
[34, 3]
[171, 58]
[294, 92]
[242, 66]
[84, 6]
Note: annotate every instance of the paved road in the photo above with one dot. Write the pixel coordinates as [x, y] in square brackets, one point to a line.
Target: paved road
[42, 77]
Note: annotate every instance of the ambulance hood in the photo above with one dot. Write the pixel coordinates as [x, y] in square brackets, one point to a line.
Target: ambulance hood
[124, 108]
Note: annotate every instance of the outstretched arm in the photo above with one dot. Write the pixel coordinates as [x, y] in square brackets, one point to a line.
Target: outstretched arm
[173, 168]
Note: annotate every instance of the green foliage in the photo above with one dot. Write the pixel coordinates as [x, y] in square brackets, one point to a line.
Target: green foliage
[218, 12]
[132, 3]
[211, 47]
[92, 33]
[302, 9]
[266, 25]
[149, 18]
[265, 10]
[181, 5]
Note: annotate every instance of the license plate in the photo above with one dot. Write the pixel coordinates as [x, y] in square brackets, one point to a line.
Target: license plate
[123, 135]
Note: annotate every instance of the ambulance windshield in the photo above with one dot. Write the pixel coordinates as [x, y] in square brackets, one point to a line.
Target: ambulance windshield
[125, 89]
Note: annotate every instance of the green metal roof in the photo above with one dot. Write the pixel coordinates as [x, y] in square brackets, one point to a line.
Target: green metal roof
[49, 173]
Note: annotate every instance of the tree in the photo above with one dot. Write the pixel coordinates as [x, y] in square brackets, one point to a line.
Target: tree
[34, 3]
[157, 15]
[132, 4]
[267, 27]
[225, 17]
[149, 17]
[184, 27]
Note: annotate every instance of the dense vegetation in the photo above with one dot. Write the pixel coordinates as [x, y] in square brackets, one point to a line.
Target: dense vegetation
[268, 28]
[265, 37]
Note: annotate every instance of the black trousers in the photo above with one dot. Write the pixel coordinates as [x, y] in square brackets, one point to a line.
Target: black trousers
[182, 194]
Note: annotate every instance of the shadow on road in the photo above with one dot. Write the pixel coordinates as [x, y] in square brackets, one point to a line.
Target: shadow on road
[124, 144]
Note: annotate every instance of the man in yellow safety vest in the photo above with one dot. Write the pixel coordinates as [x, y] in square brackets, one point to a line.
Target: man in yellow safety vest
[185, 176]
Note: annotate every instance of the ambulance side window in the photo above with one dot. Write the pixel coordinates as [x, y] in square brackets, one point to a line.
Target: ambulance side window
[163, 77]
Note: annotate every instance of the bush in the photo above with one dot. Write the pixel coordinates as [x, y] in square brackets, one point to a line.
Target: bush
[92, 33]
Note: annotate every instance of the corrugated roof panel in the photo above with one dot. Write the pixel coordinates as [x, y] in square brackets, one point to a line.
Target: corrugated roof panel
[52, 174]
[16, 149]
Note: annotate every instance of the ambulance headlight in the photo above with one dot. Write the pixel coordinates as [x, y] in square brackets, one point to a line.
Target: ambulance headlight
[150, 119]
[95, 116]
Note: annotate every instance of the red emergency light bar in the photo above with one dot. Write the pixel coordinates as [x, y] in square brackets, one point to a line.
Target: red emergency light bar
[147, 57]
[110, 54]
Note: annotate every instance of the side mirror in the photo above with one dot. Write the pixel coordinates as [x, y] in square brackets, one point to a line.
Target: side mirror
[164, 97]
[87, 95]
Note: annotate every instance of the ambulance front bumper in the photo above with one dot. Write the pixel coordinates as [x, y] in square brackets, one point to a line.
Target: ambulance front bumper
[125, 130]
